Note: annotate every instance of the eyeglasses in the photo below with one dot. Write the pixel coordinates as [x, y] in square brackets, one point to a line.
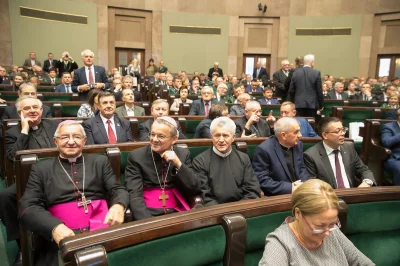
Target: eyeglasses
[75, 138]
[337, 225]
[339, 131]
[160, 137]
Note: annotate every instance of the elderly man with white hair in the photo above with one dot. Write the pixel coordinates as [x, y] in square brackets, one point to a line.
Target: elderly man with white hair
[221, 94]
[159, 176]
[338, 93]
[226, 174]
[279, 78]
[278, 161]
[215, 70]
[89, 76]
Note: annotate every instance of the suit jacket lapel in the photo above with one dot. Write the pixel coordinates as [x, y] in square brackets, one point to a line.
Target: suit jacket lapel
[279, 154]
[327, 164]
[117, 127]
[123, 111]
[101, 127]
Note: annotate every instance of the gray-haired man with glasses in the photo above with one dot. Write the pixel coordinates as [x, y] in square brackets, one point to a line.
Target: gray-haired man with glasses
[335, 161]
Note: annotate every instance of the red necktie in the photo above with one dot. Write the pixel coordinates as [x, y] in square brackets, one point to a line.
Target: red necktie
[339, 178]
[91, 79]
[207, 109]
[111, 135]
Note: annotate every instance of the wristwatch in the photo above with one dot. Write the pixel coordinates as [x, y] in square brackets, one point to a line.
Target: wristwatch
[369, 182]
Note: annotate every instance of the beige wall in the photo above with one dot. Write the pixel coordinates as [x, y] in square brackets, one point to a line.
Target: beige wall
[43, 36]
[194, 52]
[335, 55]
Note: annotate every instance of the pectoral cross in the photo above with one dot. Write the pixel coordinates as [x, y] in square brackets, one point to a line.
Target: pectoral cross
[84, 203]
[163, 197]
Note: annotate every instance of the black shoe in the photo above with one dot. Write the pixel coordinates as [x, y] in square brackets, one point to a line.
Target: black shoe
[18, 259]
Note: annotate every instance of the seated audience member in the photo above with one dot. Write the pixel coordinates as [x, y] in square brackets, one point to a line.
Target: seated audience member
[195, 88]
[117, 87]
[239, 109]
[68, 195]
[338, 93]
[288, 109]
[389, 90]
[365, 94]
[351, 91]
[226, 174]
[106, 127]
[312, 236]
[325, 90]
[203, 105]
[247, 81]
[393, 101]
[390, 138]
[129, 109]
[396, 83]
[284, 149]
[38, 72]
[254, 86]
[52, 78]
[90, 109]
[4, 79]
[203, 128]
[335, 161]
[236, 89]
[183, 93]
[16, 82]
[159, 177]
[66, 83]
[169, 84]
[159, 108]
[35, 81]
[268, 97]
[177, 84]
[222, 96]
[32, 133]
[252, 125]
[127, 83]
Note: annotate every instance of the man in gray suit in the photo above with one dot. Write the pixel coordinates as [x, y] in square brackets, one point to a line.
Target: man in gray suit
[129, 109]
[338, 93]
[31, 62]
[305, 89]
[335, 161]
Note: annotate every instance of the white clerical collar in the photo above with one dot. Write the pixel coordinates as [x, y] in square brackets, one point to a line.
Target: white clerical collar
[35, 128]
[223, 155]
[71, 160]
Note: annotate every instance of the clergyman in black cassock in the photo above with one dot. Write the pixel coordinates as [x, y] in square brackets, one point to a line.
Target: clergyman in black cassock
[49, 185]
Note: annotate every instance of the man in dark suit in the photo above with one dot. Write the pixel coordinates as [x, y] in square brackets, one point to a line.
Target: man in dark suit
[279, 78]
[127, 83]
[338, 93]
[203, 105]
[203, 129]
[386, 94]
[89, 77]
[106, 127]
[254, 87]
[17, 81]
[4, 79]
[260, 73]
[129, 109]
[49, 64]
[66, 83]
[159, 108]
[66, 64]
[306, 89]
[365, 94]
[390, 138]
[251, 124]
[215, 69]
[335, 161]
[32, 133]
[278, 161]
[31, 62]
[299, 63]
[267, 99]
[52, 78]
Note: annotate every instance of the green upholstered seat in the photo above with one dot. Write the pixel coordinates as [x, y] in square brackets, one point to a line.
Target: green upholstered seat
[69, 110]
[9, 97]
[374, 228]
[350, 116]
[361, 103]
[196, 150]
[257, 230]
[45, 89]
[328, 106]
[276, 109]
[124, 160]
[191, 127]
[54, 98]
[203, 246]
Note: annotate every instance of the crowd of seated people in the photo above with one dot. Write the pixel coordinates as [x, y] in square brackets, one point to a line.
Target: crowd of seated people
[160, 177]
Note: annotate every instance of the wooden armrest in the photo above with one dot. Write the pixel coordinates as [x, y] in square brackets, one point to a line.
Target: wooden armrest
[96, 255]
[235, 232]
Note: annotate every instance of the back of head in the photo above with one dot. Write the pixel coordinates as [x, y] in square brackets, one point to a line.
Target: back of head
[313, 197]
[284, 124]
[217, 110]
[308, 59]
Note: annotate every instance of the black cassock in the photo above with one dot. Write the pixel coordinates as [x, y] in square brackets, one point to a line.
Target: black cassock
[226, 179]
[49, 185]
[140, 172]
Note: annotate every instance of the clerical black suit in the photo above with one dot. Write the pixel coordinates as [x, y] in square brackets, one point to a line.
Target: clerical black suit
[140, 172]
[226, 179]
[212, 70]
[47, 65]
[261, 128]
[145, 129]
[48, 185]
[65, 67]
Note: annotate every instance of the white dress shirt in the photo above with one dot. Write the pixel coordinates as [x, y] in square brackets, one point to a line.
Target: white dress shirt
[130, 111]
[331, 156]
[68, 88]
[87, 73]
[106, 125]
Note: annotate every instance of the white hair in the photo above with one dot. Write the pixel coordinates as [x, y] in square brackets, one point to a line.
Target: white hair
[69, 122]
[337, 84]
[207, 88]
[284, 124]
[19, 100]
[284, 62]
[224, 122]
[308, 59]
[26, 85]
[252, 103]
[87, 52]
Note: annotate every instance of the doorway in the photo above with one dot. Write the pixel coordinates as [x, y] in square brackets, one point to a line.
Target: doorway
[250, 60]
[388, 65]
[123, 57]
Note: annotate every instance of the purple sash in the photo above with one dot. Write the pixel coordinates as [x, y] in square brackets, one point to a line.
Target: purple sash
[175, 199]
[74, 217]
